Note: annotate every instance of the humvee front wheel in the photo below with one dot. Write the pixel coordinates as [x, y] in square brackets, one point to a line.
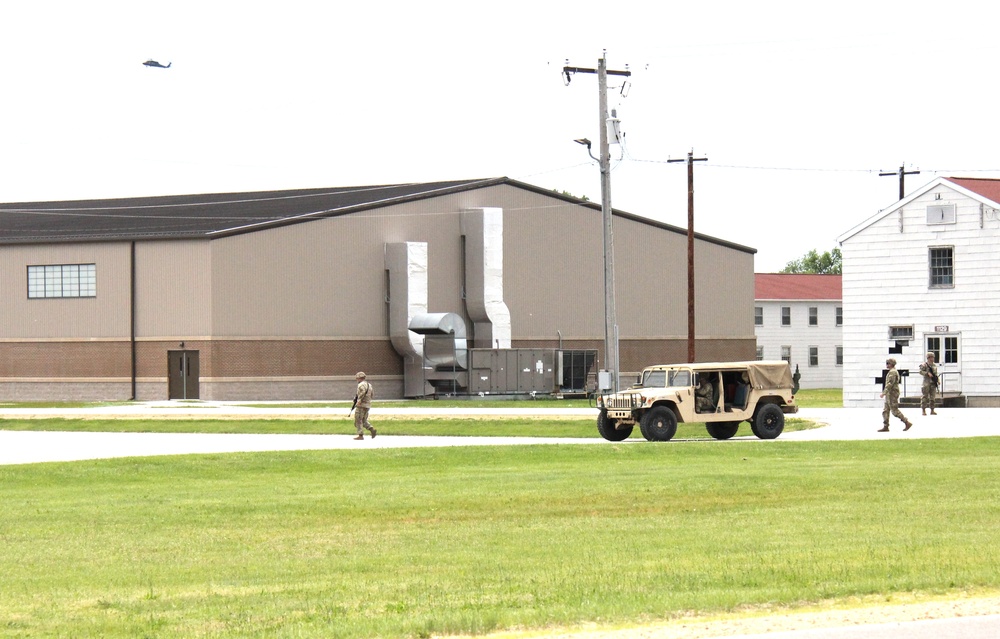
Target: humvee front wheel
[722, 430]
[658, 424]
[606, 427]
[768, 422]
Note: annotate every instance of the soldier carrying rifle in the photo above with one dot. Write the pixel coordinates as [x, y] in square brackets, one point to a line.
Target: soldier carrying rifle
[929, 371]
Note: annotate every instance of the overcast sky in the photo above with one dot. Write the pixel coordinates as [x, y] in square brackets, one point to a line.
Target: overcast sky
[798, 106]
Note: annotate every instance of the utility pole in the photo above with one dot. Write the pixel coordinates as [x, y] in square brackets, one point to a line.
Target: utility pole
[690, 171]
[610, 315]
[901, 172]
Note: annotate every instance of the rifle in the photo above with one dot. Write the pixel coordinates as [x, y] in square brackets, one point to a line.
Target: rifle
[934, 378]
[354, 405]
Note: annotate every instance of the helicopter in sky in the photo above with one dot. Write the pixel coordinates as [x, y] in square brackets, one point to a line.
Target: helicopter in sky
[154, 63]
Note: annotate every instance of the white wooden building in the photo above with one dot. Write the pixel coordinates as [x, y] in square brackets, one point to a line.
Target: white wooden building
[797, 318]
[919, 277]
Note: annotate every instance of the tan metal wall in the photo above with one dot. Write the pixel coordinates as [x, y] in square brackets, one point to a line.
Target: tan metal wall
[173, 290]
[103, 317]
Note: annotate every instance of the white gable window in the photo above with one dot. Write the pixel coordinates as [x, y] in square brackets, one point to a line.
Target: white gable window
[62, 280]
[941, 261]
[940, 213]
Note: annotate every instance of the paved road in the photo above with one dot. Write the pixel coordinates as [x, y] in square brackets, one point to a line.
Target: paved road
[24, 447]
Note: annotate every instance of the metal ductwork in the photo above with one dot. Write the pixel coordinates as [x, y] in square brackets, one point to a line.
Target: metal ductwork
[484, 301]
[446, 355]
[406, 263]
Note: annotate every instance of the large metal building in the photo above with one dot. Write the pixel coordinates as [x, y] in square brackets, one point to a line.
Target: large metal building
[286, 294]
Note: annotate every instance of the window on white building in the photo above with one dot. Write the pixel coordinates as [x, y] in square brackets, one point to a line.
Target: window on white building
[786, 315]
[942, 266]
[940, 213]
[760, 353]
[62, 280]
[813, 316]
[786, 353]
[840, 356]
[840, 316]
[901, 333]
[758, 315]
[949, 346]
[814, 355]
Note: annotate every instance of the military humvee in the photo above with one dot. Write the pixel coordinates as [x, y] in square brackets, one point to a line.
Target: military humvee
[720, 394]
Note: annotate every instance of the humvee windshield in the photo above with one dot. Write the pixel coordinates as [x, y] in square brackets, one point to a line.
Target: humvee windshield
[661, 379]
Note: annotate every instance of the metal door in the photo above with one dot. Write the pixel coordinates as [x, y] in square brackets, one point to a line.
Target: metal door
[182, 375]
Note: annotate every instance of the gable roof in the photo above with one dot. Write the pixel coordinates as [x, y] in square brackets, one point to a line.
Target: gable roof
[983, 190]
[215, 215]
[987, 187]
[797, 286]
[201, 216]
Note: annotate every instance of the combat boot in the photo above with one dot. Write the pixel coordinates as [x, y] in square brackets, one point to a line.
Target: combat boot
[908, 424]
[884, 429]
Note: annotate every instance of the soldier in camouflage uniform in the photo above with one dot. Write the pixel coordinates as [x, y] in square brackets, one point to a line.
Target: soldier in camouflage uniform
[928, 392]
[364, 404]
[891, 394]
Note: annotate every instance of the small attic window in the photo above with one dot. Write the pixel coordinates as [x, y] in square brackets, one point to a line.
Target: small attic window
[940, 213]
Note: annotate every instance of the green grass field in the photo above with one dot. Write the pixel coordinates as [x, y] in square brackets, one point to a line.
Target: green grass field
[420, 542]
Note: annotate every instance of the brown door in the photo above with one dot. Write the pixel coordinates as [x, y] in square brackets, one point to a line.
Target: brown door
[182, 376]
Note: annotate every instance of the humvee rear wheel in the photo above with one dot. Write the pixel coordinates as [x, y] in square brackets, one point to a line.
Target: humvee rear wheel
[768, 422]
[659, 424]
[606, 427]
[723, 430]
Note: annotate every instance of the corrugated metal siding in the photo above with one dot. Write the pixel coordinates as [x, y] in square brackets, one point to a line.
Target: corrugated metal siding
[174, 289]
[102, 317]
[553, 267]
[326, 278]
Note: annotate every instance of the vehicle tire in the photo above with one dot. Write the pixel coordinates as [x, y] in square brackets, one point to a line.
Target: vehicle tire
[659, 424]
[768, 422]
[606, 428]
[723, 430]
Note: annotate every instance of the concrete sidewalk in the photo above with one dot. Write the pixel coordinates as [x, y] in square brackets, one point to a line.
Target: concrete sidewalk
[24, 447]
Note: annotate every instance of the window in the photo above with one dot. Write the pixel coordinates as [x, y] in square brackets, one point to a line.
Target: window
[758, 315]
[760, 353]
[942, 267]
[840, 356]
[940, 213]
[786, 353]
[62, 280]
[813, 316]
[786, 315]
[840, 316]
[950, 354]
[814, 356]
[901, 333]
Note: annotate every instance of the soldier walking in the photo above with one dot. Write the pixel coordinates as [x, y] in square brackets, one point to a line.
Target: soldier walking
[363, 404]
[928, 392]
[891, 394]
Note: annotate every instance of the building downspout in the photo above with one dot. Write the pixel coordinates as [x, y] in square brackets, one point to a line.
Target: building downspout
[132, 317]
